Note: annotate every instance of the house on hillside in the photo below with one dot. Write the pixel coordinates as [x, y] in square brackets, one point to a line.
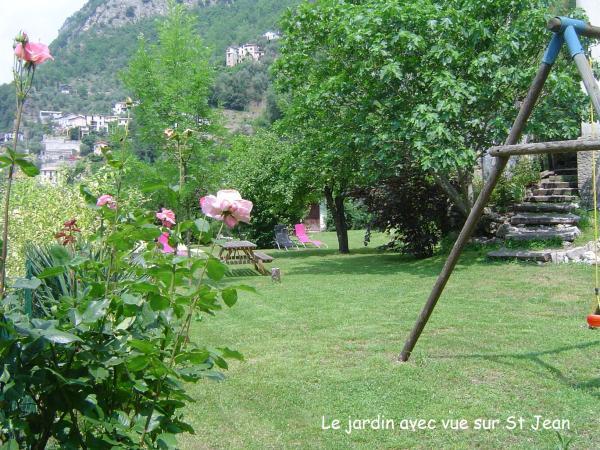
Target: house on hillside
[49, 116]
[272, 36]
[50, 171]
[59, 148]
[236, 55]
[71, 121]
[119, 108]
[57, 152]
[9, 137]
[87, 124]
[98, 147]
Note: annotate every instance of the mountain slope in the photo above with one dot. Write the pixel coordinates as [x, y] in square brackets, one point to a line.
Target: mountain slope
[94, 45]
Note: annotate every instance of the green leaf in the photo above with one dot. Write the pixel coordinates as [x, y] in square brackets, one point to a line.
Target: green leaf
[142, 346]
[245, 287]
[95, 310]
[138, 363]
[229, 296]
[87, 195]
[186, 225]
[51, 271]
[27, 283]
[153, 186]
[159, 303]
[59, 337]
[28, 167]
[10, 445]
[166, 441]
[202, 225]
[60, 255]
[125, 323]
[196, 356]
[5, 375]
[99, 373]
[215, 269]
[129, 299]
[228, 353]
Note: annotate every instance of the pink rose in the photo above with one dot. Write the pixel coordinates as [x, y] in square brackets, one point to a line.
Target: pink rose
[107, 200]
[167, 217]
[34, 53]
[163, 240]
[228, 206]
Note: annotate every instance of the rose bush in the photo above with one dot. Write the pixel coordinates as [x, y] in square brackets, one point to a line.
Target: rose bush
[106, 364]
[95, 345]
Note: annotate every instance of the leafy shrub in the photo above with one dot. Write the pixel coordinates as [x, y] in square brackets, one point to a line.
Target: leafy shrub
[411, 207]
[104, 361]
[357, 216]
[512, 186]
[260, 167]
[36, 212]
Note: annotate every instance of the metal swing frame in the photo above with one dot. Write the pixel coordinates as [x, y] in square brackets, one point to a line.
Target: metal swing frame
[565, 30]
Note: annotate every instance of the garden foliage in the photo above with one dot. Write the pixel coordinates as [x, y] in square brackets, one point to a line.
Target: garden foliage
[104, 359]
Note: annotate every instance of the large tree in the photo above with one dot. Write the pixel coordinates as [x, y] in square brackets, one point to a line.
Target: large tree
[170, 82]
[370, 82]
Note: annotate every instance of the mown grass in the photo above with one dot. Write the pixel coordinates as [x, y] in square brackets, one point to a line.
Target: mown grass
[506, 340]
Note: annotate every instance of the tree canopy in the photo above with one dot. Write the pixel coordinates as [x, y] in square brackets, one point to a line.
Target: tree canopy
[372, 81]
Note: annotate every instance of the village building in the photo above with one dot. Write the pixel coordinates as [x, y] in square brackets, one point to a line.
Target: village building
[71, 121]
[272, 36]
[119, 108]
[236, 55]
[57, 152]
[98, 147]
[50, 172]
[59, 148]
[9, 137]
[49, 116]
[87, 124]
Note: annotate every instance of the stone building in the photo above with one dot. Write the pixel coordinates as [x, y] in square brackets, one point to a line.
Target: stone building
[589, 131]
[59, 149]
[236, 55]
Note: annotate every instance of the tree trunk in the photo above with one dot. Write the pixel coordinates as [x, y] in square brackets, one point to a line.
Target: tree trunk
[336, 207]
[461, 203]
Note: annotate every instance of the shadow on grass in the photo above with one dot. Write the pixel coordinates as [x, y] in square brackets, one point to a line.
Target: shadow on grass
[591, 386]
[242, 273]
[370, 261]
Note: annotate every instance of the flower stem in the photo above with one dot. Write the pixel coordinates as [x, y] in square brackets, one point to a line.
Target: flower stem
[5, 219]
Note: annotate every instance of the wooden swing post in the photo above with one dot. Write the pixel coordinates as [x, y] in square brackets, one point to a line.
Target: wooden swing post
[565, 30]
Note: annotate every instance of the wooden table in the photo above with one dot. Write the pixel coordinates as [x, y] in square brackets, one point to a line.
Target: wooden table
[241, 252]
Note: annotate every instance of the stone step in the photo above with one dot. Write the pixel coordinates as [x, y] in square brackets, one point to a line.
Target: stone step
[531, 218]
[569, 178]
[566, 171]
[557, 191]
[521, 255]
[544, 233]
[552, 198]
[558, 185]
[545, 207]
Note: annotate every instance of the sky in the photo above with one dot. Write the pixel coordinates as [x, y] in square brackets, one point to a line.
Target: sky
[41, 19]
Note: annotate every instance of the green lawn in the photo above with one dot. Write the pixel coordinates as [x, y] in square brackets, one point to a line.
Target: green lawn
[506, 340]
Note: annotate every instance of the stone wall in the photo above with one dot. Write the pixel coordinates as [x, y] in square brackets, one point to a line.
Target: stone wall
[584, 167]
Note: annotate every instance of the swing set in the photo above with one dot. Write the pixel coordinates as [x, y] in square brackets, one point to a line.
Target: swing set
[565, 30]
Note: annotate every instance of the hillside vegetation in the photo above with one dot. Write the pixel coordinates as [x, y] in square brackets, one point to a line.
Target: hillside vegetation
[89, 58]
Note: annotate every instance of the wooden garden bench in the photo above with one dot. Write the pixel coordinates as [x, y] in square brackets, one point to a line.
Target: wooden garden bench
[263, 257]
